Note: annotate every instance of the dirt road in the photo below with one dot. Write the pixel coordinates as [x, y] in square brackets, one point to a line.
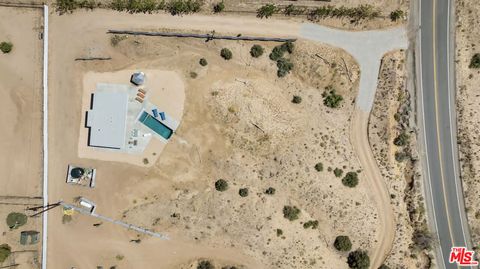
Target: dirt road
[379, 193]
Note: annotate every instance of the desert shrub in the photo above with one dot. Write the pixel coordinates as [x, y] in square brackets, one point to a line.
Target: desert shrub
[311, 224]
[401, 156]
[330, 98]
[193, 74]
[219, 7]
[116, 39]
[350, 179]
[319, 167]
[226, 54]
[396, 15]
[229, 267]
[342, 243]
[288, 47]
[266, 11]
[293, 10]
[66, 219]
[5, 251]
[284, 66]
[356, 13]
[221, 185]
[15, 220]
[475, 61]
[383, 266]
[243, 192]
[358, 259]
[296, 99]
[291, 212]
[256, 51]
[138, 6]
[6, 47]
[276, 53]
[270, 191]
[205, 265]
[66, 6]
[279, 232]
[422, 239]
[338, 172]
[401, 139]
[203, 62]
[179, 7]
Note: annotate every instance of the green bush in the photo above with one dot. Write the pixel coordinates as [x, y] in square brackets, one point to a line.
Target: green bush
[293, 10]
[203, 62]
[5, 251]
[221, 185]
[243, 192]
[311, 224]
[15, 220]
[279, 232]
[397, 15]
[266, 11]
[319, 167]
[276, 53]
[219, 7]
[401, 156]
[331, 99]
[226, 54]
[358, 259]
[383, 266]
[296, 99]
[475, 61]
[284, 66]
[6, 47]
[179, 7]
[270, 191]
[291, 212]
[205, 265]
[422, 239]
[401, 139]
[356, 13]
[288, 47]
[350, 179]
[342, 243]
[256, 51]
[338, 172]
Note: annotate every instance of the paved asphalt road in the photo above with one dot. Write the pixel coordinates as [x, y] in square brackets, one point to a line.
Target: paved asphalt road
[444, 187]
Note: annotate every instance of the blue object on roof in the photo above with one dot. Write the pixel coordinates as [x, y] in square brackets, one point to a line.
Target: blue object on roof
[155, 112]
[162, 115]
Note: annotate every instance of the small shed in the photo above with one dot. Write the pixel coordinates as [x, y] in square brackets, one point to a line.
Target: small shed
[138, 78]
[26, 234]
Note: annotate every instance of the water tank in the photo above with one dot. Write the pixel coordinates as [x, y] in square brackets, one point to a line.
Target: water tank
[77, 172]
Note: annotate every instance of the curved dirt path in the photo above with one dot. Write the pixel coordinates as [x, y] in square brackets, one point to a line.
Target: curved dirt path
[376, 184]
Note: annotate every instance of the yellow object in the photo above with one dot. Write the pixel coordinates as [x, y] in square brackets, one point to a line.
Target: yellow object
[68, 211]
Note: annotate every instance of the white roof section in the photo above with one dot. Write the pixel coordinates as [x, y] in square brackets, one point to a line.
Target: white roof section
[108, 119]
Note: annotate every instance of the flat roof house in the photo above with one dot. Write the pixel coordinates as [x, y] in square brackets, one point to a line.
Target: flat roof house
[107, 120]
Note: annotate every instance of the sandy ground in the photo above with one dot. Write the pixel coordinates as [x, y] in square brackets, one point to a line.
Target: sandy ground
[21, 104]
[165, 90]
[217, 139]
[467, 110]
[27, 256]
[21, 119]
[390, 115]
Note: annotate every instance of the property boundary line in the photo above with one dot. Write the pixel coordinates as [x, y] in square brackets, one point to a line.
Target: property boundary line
[207, 36]
[45, 136]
